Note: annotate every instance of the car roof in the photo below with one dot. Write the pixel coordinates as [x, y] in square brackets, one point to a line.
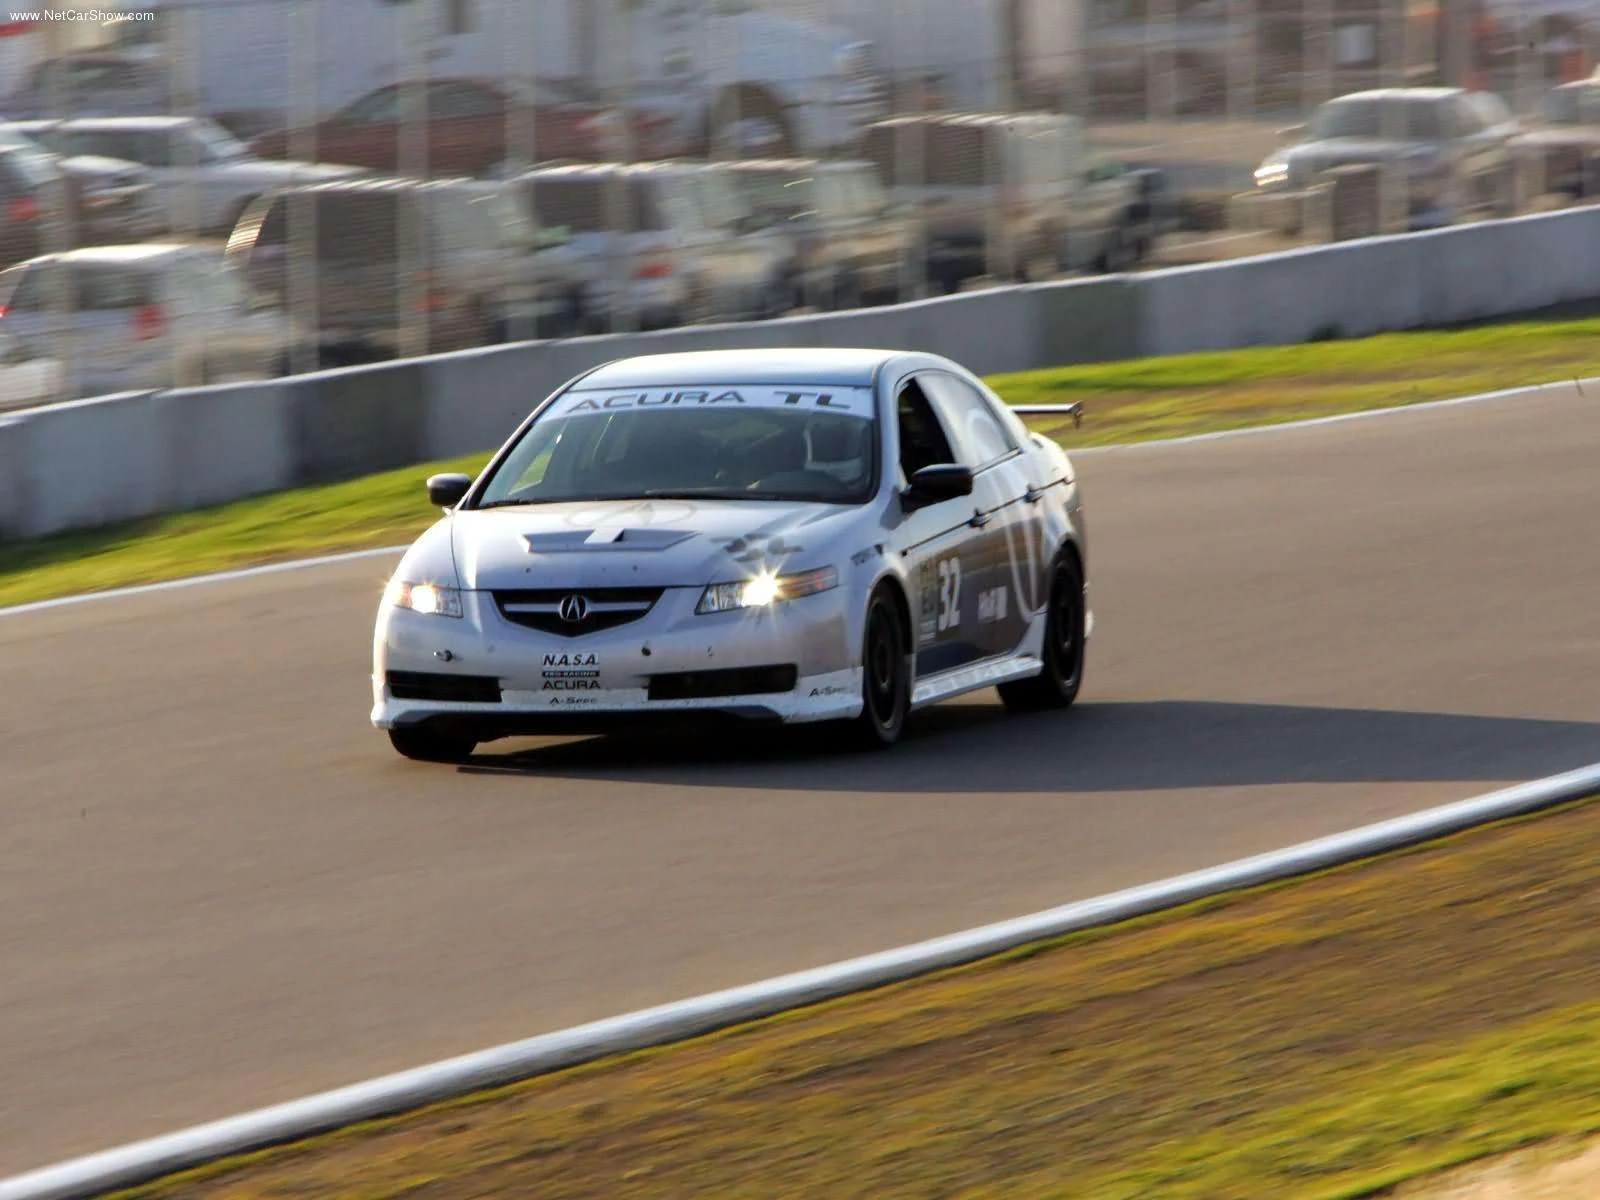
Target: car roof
[112, 124]
[141, 254]
[835, 366]
[1402, 93]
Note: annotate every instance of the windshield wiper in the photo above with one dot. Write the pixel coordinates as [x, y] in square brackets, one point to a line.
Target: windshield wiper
[509, 503]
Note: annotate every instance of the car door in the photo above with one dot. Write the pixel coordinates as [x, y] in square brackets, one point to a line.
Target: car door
[937, 542]
[1002, 561]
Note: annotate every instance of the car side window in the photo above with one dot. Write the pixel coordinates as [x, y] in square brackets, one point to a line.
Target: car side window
[922, 441]
[25, 291]
[456, 100]
[375, 109]
[980, 438]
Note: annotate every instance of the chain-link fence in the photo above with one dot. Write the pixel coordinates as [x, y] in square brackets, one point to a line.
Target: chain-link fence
[205, 190]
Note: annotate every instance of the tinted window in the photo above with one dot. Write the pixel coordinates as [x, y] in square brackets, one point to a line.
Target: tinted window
[922, 441]
[980, 438]
[351, 226]
[32, 168]
[97, 288]
[596, 206]
[943, 155]
[378, 107]
[455, 100]
[714, 440]
[1561, 106]
[1413, 119]
[785, 194]
[472, 222]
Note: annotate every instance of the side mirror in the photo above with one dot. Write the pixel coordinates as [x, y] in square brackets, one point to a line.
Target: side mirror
[942, 481]
[447, 491]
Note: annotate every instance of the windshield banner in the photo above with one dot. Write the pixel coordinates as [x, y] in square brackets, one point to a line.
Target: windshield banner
[846, 401]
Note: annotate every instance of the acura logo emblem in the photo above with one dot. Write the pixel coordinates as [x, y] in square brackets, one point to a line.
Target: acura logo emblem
[573, 609]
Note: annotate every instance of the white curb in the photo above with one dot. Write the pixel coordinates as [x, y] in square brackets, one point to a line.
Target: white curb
[144, 1161]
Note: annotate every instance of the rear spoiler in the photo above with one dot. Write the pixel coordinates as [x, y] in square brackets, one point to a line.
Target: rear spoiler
[1074, 410]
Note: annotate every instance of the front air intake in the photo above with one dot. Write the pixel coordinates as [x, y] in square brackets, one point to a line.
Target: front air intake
[712, 685]
[450, 689]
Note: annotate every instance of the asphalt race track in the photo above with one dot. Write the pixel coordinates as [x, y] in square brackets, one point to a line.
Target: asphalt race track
[219, 888]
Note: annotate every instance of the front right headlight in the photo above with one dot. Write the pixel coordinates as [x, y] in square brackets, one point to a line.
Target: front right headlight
[429, 599]
[1272, 173]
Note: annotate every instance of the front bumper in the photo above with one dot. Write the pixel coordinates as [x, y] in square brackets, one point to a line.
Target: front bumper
[527, 680]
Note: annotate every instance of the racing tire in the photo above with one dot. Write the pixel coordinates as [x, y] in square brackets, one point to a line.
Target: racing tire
[885, 676]
[431, 745]
[1065, 626]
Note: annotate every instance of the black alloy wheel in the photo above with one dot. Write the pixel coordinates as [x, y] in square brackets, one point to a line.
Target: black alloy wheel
[1064, 634]
[886, 675]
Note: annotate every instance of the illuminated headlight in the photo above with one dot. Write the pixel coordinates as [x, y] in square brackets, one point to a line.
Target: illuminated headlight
[766, 589]
[1272, 174]
[430, 599]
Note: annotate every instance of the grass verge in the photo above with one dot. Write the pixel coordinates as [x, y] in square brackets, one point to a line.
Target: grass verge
[1127, 402]
[1324, 1038]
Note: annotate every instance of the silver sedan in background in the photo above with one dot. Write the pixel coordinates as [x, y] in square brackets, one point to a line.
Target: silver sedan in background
[783, 535]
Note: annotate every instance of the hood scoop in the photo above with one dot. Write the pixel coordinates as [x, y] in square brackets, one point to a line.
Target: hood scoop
[607, 537]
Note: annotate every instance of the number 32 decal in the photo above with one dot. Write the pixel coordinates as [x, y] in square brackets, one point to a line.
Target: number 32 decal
[949, 594]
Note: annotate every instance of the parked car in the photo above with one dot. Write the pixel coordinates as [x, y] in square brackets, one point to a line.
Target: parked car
[659, 244]
[203, 177]
[473, 127]
[28, 376]
[853, 246]
[1449, 150]
[479, 275]
[116, 202]
[43, 207]
[1012, 195]
[1564, 147]
[90, 83]
[148, 316]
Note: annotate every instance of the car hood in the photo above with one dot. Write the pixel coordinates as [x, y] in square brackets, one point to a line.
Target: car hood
[291, 171]
[96, 168]
[644, 543]
[1339, 152]
[1561, 137]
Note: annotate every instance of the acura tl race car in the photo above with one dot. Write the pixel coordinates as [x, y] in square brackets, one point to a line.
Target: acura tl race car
[794, 535]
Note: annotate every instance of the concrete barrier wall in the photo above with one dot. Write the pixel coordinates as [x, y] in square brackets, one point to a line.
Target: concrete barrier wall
[88, 463]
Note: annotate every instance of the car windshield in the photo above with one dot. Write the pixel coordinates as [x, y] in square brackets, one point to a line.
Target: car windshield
[706, 441]
[216, 142]
[35, 166]
[1572, 106]
[1411, 120]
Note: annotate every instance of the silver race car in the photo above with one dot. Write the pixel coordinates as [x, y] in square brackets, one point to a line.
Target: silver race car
[788, 535]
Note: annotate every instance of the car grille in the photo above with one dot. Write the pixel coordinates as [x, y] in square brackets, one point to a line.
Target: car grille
[429, 685]
[574, 612]
[737, 681]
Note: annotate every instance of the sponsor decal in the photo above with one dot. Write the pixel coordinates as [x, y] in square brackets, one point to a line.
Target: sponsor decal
[574, 672]
[856, 402]
[992, 605]
[831, 690]
[861, 557]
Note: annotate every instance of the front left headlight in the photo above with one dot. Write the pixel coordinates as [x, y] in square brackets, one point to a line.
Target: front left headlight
[766, 589]
[430, 599]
